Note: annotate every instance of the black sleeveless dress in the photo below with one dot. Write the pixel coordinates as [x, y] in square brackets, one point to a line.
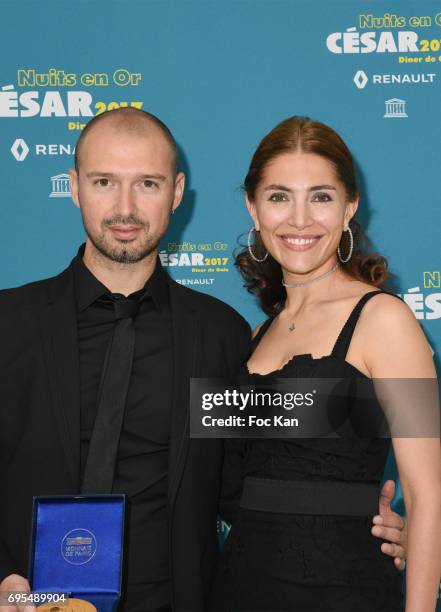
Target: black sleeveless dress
[308, 562]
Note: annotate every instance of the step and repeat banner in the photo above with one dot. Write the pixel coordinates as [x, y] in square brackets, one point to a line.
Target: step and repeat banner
[221, 75]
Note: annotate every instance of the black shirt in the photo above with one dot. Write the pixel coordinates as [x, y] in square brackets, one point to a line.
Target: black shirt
[142, 462]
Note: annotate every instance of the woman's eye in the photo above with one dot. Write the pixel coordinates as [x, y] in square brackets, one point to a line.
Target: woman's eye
[322, 197]
[278, 197]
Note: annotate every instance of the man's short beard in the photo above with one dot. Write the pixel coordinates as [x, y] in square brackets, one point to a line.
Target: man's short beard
[119, 254]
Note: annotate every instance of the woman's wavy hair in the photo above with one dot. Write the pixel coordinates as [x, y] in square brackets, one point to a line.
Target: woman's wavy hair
[303, 134]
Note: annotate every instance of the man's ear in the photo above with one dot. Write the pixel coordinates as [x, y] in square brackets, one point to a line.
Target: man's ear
[179, 190]
[252, 210]
[74, 186]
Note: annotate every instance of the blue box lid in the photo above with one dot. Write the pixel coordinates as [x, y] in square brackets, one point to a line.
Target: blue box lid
[77, 544]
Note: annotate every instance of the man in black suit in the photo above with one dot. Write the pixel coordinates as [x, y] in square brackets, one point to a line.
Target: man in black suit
[57, 339]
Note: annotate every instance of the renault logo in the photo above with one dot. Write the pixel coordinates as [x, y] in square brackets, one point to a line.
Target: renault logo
[20, 149]
[360, 79]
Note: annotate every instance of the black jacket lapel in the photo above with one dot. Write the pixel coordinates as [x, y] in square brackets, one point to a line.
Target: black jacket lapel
[185, 340]
[60, 344]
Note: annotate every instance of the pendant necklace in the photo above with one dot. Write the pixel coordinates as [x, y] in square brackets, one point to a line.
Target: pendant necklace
[304, 283]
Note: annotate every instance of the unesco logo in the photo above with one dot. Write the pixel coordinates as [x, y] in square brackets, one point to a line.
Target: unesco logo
[78, 546]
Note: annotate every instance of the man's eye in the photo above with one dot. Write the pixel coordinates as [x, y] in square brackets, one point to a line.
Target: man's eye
[278, 197]
[322, 197]
[148, 183]
[102, 182]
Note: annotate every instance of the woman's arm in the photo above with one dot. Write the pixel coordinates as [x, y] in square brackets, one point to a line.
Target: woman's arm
[419, 461]
[396, 348]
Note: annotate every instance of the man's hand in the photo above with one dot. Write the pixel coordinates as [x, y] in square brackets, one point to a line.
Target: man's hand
[12, 583]
[390, 526]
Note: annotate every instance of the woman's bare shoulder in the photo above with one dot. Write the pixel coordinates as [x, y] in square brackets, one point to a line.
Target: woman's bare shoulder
[387, 309]
[394, 344]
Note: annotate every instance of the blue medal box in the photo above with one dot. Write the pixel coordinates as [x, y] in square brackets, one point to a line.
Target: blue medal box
[77, 547]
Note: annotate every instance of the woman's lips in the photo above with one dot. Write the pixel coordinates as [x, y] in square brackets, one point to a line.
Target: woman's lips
[300, 243]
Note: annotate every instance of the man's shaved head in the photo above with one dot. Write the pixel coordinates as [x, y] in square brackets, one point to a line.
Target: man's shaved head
[126, 185]
[131, 120]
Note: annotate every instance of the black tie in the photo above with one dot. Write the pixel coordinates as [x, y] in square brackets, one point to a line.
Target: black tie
[117, 369]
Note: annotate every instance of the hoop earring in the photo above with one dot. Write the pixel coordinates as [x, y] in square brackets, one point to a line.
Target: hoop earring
[250, 250]
[351, 248]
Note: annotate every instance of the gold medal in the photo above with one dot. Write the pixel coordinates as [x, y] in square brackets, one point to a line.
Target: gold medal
[72, 605]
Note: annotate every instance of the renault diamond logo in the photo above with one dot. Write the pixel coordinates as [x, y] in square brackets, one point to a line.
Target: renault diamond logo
[361, 79]
[20, 149]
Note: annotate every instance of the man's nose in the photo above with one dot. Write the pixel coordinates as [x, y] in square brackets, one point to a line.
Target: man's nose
[126, 201]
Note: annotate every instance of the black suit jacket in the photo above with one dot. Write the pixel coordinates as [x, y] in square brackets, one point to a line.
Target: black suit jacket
[40, 421]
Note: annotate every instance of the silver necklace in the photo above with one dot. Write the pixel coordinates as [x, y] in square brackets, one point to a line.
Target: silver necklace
[308, 282]
[311, 280]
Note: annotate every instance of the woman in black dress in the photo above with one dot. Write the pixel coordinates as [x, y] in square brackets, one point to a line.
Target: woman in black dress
[301, 538]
